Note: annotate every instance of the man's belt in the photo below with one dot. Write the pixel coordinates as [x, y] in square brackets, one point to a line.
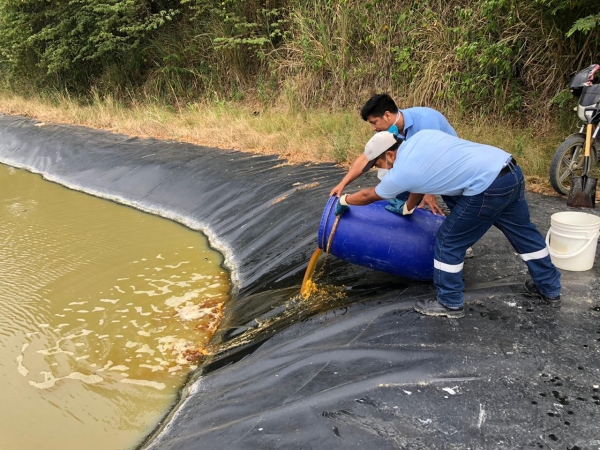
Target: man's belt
[511, 164]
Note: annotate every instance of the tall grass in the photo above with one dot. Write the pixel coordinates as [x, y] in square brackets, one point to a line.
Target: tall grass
[318, 135]
[484, 57]
[288, 78]
[508, 58]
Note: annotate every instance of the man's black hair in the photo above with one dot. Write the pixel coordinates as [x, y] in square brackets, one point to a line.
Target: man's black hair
[377, 106]
[397, 144]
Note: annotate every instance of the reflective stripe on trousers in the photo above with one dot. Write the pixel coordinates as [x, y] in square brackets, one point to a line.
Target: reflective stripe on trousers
[502, 205]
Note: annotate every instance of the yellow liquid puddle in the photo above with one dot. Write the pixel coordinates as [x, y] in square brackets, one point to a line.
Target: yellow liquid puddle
[296, 308]
[308, 285]
[309, 288]
[104, 311]
[321, 293]
[312, 299]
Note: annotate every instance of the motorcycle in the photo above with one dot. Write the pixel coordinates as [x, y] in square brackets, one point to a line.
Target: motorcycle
[569, 160]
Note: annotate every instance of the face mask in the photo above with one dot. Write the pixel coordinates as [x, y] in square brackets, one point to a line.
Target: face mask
[394, 128]
[382, 173]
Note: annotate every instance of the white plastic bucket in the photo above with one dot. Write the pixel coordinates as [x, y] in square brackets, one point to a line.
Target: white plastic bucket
[572, 240]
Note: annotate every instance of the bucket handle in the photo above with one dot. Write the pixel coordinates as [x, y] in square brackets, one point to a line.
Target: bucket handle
[570, 255]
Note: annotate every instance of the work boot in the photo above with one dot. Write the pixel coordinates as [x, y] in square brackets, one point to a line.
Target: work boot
[431, 307]
[531, 290]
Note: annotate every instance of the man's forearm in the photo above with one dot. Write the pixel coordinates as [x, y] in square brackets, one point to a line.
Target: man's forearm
[350, 177]
[363, 197]
[413, 200]
[355, 170]
[353, 173]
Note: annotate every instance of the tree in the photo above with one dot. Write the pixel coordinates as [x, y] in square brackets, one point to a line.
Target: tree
[75, 40]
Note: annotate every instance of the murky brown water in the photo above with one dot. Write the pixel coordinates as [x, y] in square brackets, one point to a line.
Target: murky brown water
[100, 308]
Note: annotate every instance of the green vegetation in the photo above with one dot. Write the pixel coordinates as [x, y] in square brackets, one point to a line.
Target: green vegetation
[481, 61]
[483, 57]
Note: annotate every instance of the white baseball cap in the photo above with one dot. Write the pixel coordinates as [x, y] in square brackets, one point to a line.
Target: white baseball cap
[377, 145]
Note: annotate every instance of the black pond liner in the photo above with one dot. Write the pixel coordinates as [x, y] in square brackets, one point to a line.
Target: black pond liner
[360, 371]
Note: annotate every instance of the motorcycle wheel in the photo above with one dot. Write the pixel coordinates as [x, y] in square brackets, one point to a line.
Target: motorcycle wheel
[568, 162]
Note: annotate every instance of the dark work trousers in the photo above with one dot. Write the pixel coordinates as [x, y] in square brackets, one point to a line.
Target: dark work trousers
[502, 205]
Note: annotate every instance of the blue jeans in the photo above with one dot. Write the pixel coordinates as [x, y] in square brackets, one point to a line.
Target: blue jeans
[503, 205]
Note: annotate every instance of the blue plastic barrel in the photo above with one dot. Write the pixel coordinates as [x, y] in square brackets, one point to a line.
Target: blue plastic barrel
[370, 236]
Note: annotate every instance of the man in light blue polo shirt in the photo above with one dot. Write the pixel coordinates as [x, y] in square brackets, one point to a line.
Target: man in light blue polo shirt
[485, 187]
[383, 115]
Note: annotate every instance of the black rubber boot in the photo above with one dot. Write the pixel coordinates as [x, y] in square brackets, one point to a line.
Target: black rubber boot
[531, 290]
